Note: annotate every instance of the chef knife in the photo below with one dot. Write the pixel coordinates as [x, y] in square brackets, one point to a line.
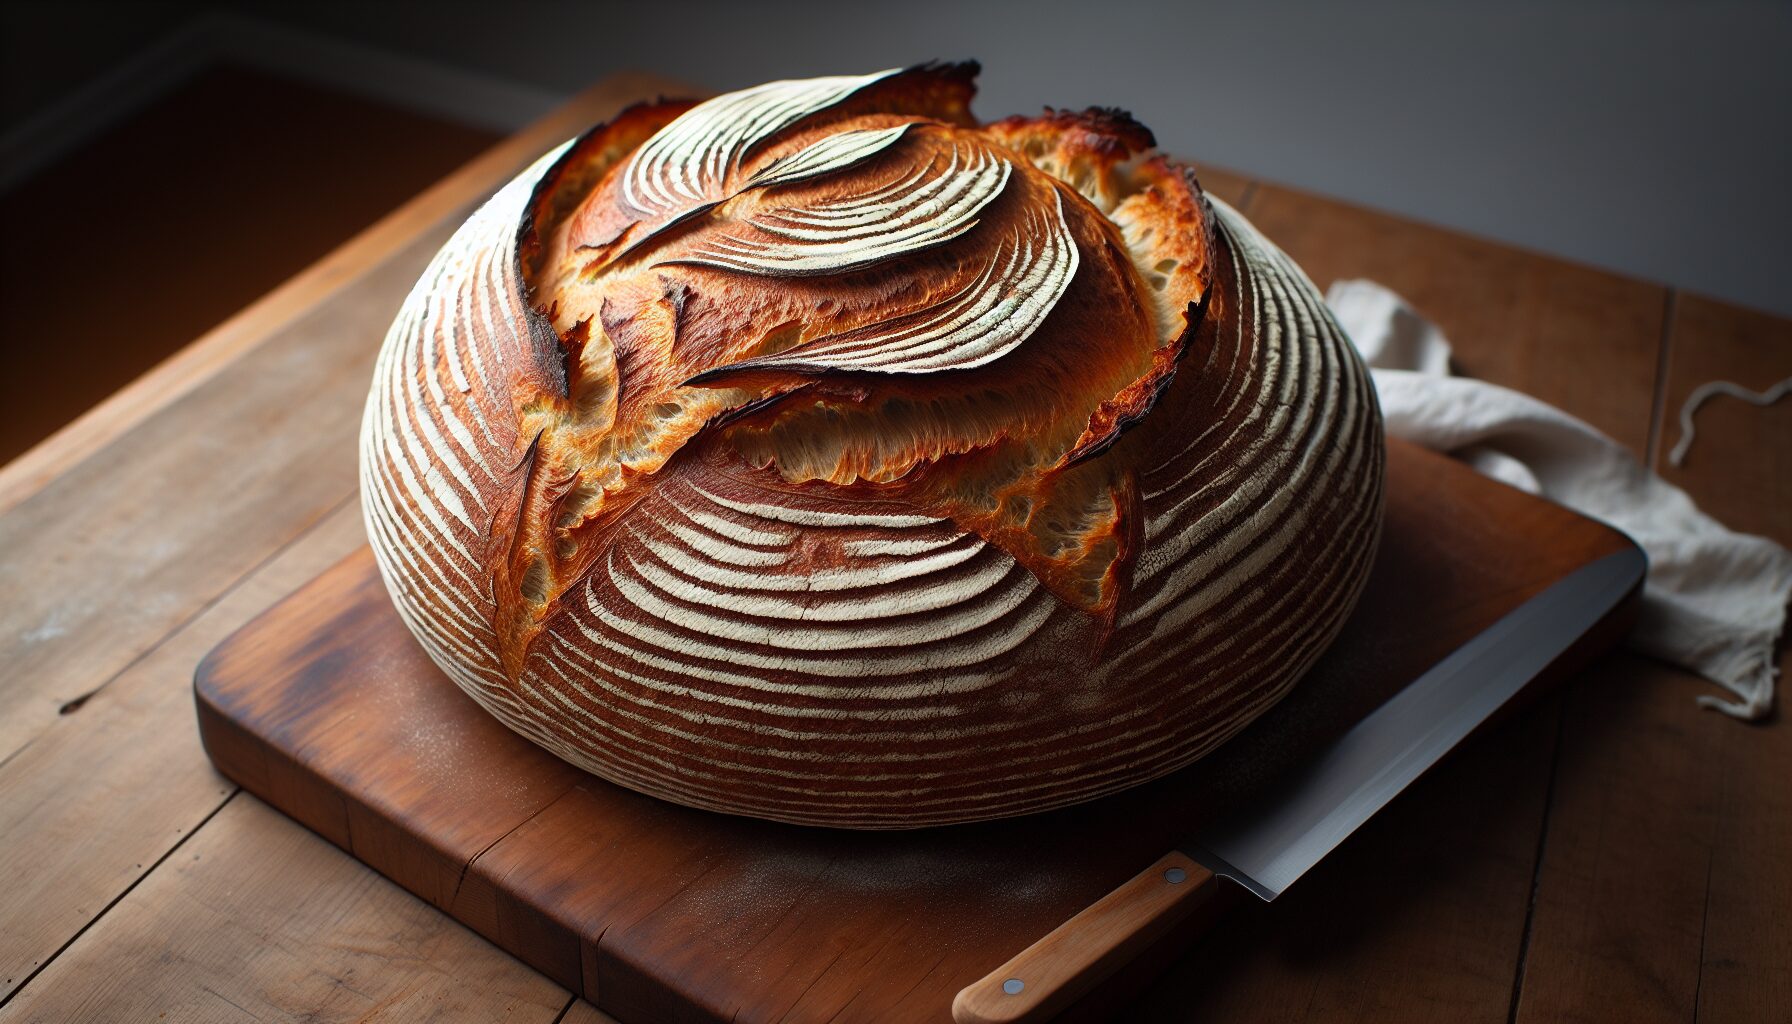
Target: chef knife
[1270, 843]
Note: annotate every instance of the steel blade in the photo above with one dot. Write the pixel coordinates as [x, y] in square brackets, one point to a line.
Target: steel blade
[1268, 845]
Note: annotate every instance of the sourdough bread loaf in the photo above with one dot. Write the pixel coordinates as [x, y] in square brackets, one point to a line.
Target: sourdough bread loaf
[817, 453]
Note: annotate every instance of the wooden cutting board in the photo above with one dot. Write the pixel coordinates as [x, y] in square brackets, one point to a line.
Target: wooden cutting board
[327, 709]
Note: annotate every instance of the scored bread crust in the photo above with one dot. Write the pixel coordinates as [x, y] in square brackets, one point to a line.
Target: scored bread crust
[819, 454]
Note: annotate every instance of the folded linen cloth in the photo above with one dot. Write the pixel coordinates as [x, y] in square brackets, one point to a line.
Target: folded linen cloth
[1714, 601]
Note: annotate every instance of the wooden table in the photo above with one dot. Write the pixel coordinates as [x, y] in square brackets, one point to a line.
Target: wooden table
[1616, 853]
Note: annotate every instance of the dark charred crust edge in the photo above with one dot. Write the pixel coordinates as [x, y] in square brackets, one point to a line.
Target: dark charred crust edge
[1105, 129]
[541, 196]
[1195, 315]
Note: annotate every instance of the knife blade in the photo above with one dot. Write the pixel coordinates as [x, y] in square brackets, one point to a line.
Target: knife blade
[1268, 844]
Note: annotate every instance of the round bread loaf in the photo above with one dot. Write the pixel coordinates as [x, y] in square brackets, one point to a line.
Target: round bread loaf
[818, 453]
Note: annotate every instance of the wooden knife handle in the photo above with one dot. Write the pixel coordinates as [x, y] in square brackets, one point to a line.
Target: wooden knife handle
[1052, 973]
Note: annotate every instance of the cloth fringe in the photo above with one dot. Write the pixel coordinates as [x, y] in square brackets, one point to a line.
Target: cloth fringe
[1720, 387]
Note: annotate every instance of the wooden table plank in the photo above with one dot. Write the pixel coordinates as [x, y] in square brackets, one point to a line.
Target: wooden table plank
[581, 1012]
[124, 546]
[255, 918]
[1665, 878]
[136, 540]
[1420, 916]
[1745, 957]
[1740, 470]
[1620, 898]
[78, 826]
[249, 440]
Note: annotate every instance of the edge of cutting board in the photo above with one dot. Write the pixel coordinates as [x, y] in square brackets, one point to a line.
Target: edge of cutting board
[326, 708]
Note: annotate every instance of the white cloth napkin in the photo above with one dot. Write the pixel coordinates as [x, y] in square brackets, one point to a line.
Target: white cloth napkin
[1714, 601]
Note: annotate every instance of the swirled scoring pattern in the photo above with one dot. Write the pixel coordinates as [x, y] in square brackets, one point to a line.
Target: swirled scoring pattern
[924, 209]
[832, 153]
[693, 158]
[819, 454]
[980, 322]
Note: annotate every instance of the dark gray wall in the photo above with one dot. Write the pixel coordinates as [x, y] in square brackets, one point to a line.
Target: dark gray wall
[1651, 137]
[1654, 138]
[50, 48]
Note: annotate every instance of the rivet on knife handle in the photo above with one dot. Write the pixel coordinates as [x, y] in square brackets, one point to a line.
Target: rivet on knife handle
[1052, 973]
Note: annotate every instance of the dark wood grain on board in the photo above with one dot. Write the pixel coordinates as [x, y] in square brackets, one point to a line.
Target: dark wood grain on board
[326, 708]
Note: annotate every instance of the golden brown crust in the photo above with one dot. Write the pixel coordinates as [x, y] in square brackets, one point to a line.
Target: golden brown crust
[828, 452]
[1010, 448]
